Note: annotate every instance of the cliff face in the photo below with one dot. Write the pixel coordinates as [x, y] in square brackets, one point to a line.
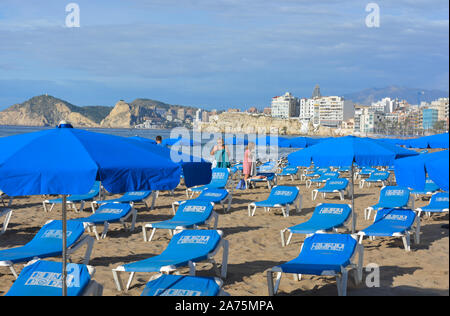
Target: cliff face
[242, 123]
[125, 115]
[45, 111]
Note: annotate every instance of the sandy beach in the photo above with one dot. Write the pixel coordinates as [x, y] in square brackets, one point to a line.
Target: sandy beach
[255, 246]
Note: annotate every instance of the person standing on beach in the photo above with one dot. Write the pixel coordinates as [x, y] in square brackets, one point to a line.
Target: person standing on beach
[221, 154]
[249, 165]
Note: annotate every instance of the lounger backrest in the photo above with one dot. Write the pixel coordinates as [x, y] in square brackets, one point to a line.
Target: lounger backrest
[219, 178]
[336, 184]
[43, 278]
[336, 249]
[379, 175]
[213, 194]
[439, 200]
[283, 194]
[394, 196]
[290, 169]
[327, 212]
[194, 210]
[195, 244]
[137, 195]
[268, 166]
[430, 186]
[329, 175]
[116, 209]
[396, 217]
[50, 235]
[95, 190]
[181, 285]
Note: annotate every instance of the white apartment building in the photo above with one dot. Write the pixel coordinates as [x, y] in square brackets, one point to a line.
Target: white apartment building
[306, 111]
[441, 105]
[367, 120]
[284, 106]
[332, 111]
[386, 105]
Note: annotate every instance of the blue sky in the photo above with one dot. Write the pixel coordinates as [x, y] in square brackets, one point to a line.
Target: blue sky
[218, 53]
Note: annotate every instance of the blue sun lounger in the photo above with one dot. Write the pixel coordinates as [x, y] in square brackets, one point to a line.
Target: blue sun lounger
[323, 255]
[219, 180]
[438, 204]
[269, 177]
[184, 285]
[131, 198]
[48, 243]
[288, 171]
[43, 278]
[185, 249]
[190, 214]
[364, 172]
[391, 197]
[71, 200]
[327, 217]
[281, 196]
[324, 177]
[375, 177]
[7, 213]
[332, 186]
[314, 173]
[394, 223]
[430, 188]
[215, 196]
[108, 214]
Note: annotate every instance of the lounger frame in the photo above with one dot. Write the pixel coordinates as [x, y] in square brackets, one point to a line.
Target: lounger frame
[341, 277]
[297, 203]
[223, 244]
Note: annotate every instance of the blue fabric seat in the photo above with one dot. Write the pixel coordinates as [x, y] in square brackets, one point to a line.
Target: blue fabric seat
[215, 196]
[108, 214]
[394, 223]
[129, 197]
[43, 278]
[375, 177]
[79, 198]
[280, 196]
[323, 255]
[326, 217]
[219, 180]
[289, 171]
[324, 177]
[190, 214]
[430, 188]
[438, 204]
[332, 186]
[184, 249]
[315, 172]
[182, 285]
[391, 197]
[48, 243]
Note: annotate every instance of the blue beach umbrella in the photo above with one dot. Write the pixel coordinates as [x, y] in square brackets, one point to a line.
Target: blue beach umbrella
[347, 151]
[66, 160]
[432, 141]
[196, 171]
[143, 139]
[298, 142]
[412, 171]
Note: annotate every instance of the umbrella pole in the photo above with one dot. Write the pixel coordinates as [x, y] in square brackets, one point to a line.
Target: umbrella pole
[64, 245]
[353, 200]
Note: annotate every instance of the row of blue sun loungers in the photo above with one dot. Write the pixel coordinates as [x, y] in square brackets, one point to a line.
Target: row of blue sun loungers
[321, 254]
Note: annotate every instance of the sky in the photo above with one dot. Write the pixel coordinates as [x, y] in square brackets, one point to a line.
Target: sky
[218, 54]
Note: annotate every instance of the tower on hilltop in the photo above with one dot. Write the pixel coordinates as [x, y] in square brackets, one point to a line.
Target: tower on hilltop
[316, 92]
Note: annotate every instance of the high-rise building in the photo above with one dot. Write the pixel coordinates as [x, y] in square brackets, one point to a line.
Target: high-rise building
[332, 111]
[285, 106]
[181, 114]
[429, 118]
[316, 92]
[205, 117]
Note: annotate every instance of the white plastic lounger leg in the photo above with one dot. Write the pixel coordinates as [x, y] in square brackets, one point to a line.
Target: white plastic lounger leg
[283, 243]
[105, 229]
[117, 279]
[407, 242]
[89, 241]
[7, 213]
[191, 268]
[417, 233]
[130, 279]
